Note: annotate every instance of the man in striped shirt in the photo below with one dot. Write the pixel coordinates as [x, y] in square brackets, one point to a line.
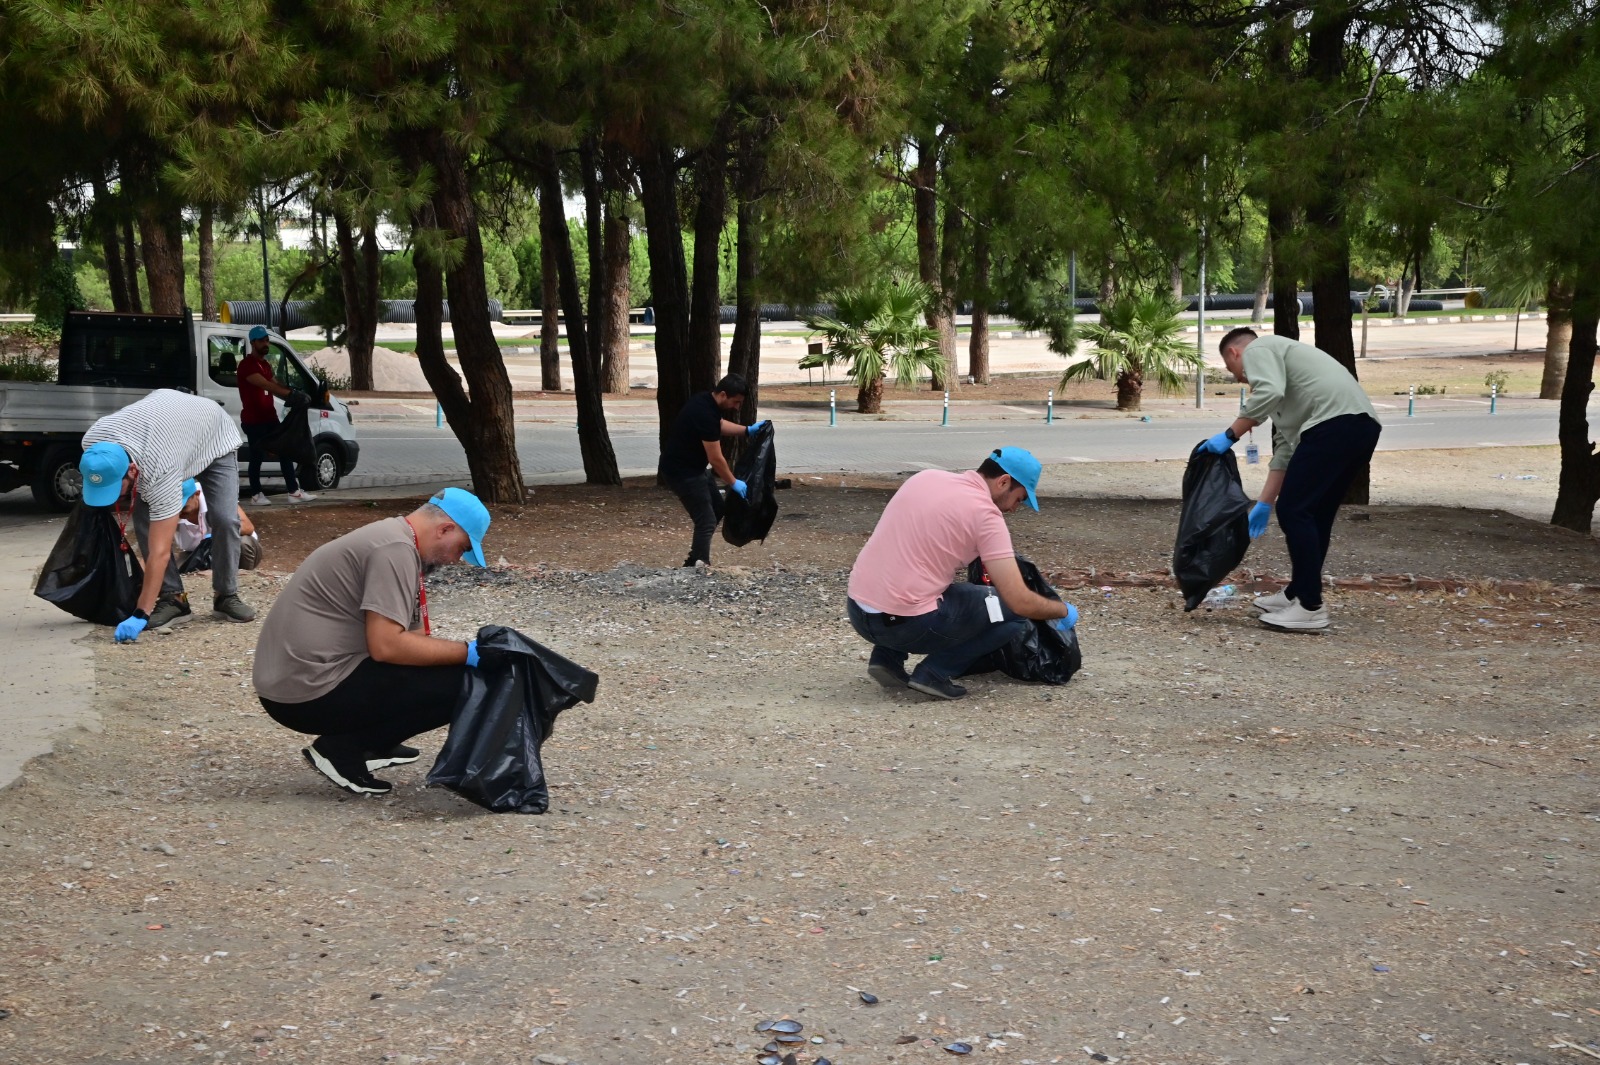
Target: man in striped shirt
[142, 454]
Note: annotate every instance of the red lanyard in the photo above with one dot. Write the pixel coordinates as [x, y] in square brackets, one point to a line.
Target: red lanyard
[122, 522]
[422, 592]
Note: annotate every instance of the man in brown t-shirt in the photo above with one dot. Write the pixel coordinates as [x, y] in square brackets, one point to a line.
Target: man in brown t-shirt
[340, 656]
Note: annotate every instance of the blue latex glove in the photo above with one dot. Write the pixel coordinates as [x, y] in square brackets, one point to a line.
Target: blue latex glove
[742, 488]
[1068, 622]
[129, 630]
[1218, 444]
[472, 653]
[1259, 515]
[756, 428]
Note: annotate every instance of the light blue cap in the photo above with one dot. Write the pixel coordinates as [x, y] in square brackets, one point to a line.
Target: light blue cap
[1023, 468]
[190, 487]
[258, 332]
[467, 511]
[103, 466]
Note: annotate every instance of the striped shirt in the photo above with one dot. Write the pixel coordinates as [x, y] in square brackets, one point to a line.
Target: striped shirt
[171, 435]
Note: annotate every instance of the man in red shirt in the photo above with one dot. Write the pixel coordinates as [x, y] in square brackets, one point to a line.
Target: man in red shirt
[260, 417]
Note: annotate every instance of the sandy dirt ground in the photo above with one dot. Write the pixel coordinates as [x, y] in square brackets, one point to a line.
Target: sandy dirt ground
[1216, 844]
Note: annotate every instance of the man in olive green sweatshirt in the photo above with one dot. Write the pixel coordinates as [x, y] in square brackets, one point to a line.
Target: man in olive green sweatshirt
[1324, 429]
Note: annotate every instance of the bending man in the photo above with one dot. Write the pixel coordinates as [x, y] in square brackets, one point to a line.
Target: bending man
[694, 440]
[347, 653]
[902, 600]
[144, 452]
[1324, 429]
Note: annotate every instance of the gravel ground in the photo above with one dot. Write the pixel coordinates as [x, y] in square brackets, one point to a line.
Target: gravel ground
[1216, 844]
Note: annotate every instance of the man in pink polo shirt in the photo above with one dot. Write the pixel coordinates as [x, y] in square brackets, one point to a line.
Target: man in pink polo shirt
[902, 600]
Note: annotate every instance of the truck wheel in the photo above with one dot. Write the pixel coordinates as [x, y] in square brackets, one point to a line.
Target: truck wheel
[57, 484]
[325, 473]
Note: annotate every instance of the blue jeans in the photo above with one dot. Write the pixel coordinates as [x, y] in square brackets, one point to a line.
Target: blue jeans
[953, 636]
[254, 433]
[1324, 463]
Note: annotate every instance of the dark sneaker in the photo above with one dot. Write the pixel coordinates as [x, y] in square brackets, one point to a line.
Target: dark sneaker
[350, 774]
[233, 608]
[888, 676]
[401, 755]
[170, 611]
[939, 689]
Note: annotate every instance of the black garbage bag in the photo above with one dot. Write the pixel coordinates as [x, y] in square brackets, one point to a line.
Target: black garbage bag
[507, 710]
[91, 573]
[752, 518]
[291, 440]
[1213, 526]
[1042, 653]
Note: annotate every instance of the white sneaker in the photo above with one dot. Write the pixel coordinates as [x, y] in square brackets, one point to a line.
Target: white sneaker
[1269, 603]
[299, 495]
[1296, 618]
[260, 500]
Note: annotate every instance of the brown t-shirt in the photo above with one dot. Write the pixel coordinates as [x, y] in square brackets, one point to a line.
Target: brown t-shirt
[316, 633]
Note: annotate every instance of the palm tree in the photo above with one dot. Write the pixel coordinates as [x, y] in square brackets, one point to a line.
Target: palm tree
[1137, 336]
[877, 329]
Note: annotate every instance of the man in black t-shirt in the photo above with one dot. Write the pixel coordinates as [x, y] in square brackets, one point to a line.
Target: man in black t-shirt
[694, 440]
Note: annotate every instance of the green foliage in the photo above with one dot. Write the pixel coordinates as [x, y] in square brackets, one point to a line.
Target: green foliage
[877, 331]
[334, 381]
[1137, 337]
[57, 294]
[1497, 379]
[28, 351]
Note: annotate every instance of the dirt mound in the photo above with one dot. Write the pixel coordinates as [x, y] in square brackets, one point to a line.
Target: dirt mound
[392, 371]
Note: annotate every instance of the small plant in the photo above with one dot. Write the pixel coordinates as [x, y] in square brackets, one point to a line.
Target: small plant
[1431, 390]
[331, 381]
[1137, 336]
[877, 330]
[27, 367]
[1497, 380]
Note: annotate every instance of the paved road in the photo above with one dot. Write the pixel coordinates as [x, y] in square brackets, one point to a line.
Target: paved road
[408, 452]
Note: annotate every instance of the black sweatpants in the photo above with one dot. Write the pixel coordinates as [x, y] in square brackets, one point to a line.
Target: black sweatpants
[1324, 463]
[376, 707]
[703, 501]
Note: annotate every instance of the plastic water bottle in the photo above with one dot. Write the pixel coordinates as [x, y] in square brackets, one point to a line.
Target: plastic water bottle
[1220, 595]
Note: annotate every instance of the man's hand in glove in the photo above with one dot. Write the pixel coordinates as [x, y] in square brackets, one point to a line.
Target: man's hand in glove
[1259, 516]
[742, 488]
[128, 631]
[756, 428]
[1219, 443]
[472, 653]
[1068, 622]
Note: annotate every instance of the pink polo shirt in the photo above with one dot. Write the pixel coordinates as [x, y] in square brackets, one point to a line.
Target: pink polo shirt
[935, 524]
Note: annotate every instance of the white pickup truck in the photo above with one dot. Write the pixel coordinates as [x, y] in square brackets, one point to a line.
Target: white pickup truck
[111, 360]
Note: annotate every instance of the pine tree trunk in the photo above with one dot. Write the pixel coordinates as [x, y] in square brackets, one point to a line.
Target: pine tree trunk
[978, 343]
[944, 299]
[208, 264]
[162, 243]
[589, 163]
[1108, 286]
[1558, 337]
[869, 397]
[705, 301]
[1579, 486]
[489, 436]
[615, 307]
[1176, 280]
[442, 377]
[549, 313]
[1285, 285]
[594, 441]
[105, 222]
[744, 357]
[130, 265]
[357, 272]
[1258, 310]
[669, 281]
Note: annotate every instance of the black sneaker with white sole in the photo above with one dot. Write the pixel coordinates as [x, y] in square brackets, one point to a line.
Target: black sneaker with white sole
[170, 612]
[349, 773]
[401, 755]
[888, 676]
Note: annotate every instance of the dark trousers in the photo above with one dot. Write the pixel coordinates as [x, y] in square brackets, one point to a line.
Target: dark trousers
[376, 707]
[1327, 459]
[702, 499]
[254, 434]
[953, 636]
[220, 482]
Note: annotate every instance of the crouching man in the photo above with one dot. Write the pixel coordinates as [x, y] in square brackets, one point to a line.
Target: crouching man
[902, 600]
[347, 653]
